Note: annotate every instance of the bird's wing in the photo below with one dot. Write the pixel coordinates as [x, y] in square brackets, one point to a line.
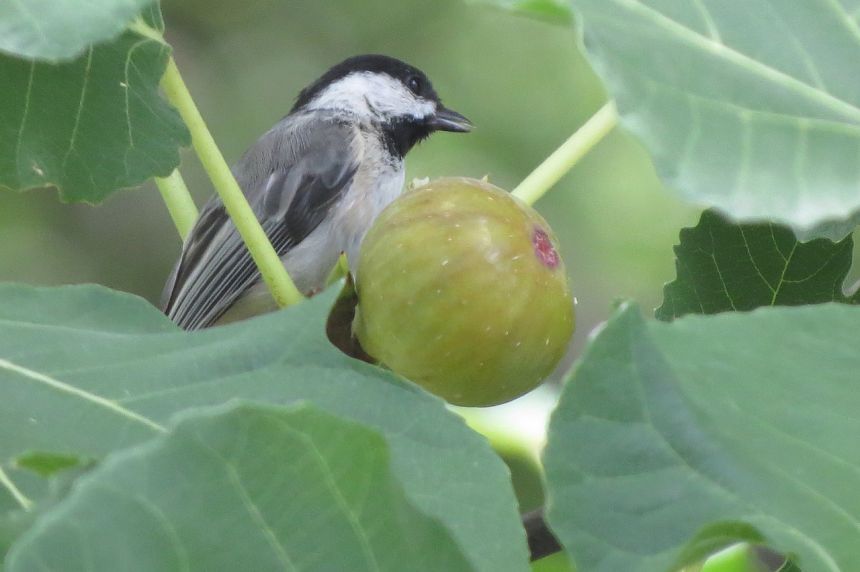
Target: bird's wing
[292, 176]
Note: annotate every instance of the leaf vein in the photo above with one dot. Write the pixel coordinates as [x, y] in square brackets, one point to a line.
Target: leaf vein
[24, 115]
[351, 516]
[726, 52]
[58, 385]
[782, 276]
[719, 487]
[80, 110]
[16, 493]
[253, 510]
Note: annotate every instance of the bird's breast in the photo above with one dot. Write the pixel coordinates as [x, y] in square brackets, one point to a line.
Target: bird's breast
[374, 187]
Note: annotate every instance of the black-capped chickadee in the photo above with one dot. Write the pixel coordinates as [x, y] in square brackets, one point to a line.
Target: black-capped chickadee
[316, 182]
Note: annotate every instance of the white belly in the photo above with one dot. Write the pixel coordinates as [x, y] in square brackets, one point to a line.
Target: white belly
[343, 230]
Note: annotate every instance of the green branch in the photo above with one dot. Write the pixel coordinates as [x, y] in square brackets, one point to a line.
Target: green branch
[179, 203]
[565, 157]
[267, 260]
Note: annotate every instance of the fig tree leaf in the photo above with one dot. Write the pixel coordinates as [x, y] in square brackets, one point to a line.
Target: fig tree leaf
[13, 524]
[92, 125]
[554, 11]
[61, 29]
[674, 439]
[242, 487]
[749, 106]
[86, 371]
[8, 489]
[723, 267]
[79, 309]
[40, 494]
[20, 487]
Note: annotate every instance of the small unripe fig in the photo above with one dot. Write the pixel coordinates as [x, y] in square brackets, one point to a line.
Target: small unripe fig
[461, 289]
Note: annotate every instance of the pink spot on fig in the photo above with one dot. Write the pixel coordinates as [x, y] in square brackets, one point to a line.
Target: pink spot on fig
[544, 249]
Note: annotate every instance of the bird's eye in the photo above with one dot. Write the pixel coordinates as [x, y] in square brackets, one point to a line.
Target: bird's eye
[414, 84]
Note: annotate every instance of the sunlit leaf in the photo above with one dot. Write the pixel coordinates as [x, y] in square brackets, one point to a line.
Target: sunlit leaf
[750, 106]
[60, 29]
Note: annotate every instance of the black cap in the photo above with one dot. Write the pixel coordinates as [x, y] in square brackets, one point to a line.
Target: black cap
[409, 75]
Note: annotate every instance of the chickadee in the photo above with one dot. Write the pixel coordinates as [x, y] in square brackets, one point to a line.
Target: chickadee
[316, 182]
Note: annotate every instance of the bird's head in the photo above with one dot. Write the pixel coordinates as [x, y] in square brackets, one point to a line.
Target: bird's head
[387, 92]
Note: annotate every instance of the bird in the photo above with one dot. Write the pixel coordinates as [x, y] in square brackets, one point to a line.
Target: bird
[316, 181]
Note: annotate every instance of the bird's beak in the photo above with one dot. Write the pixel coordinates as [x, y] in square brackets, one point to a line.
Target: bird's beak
[449, 120]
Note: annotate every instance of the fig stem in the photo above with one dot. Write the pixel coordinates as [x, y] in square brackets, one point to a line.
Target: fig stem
[272, 270]
[340, 269]
[179, 203]
[567, 155]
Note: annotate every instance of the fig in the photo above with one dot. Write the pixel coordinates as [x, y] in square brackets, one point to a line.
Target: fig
[461, 289]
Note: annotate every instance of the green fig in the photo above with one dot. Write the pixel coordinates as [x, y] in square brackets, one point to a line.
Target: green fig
[461, 290]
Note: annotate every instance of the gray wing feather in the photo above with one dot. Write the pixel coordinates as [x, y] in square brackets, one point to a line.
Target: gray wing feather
[291, 177]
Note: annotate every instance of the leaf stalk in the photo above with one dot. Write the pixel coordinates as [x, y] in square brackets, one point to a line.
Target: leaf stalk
[567, 155]
[271, 268]
[179, 203]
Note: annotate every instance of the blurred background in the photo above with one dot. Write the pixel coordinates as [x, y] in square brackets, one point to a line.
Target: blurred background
[522, 82]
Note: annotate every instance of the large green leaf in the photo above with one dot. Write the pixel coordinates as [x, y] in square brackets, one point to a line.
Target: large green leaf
[92, 125]
[750, 106]
[60, 29]
[723, 267]
[87, 371]
[242, 488]
[672, 440]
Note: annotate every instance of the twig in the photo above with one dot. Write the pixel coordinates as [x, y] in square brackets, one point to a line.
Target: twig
[267, 260]
[565, 157]
[179, 203]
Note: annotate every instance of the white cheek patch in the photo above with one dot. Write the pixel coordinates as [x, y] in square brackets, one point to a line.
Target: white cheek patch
[373, 95]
